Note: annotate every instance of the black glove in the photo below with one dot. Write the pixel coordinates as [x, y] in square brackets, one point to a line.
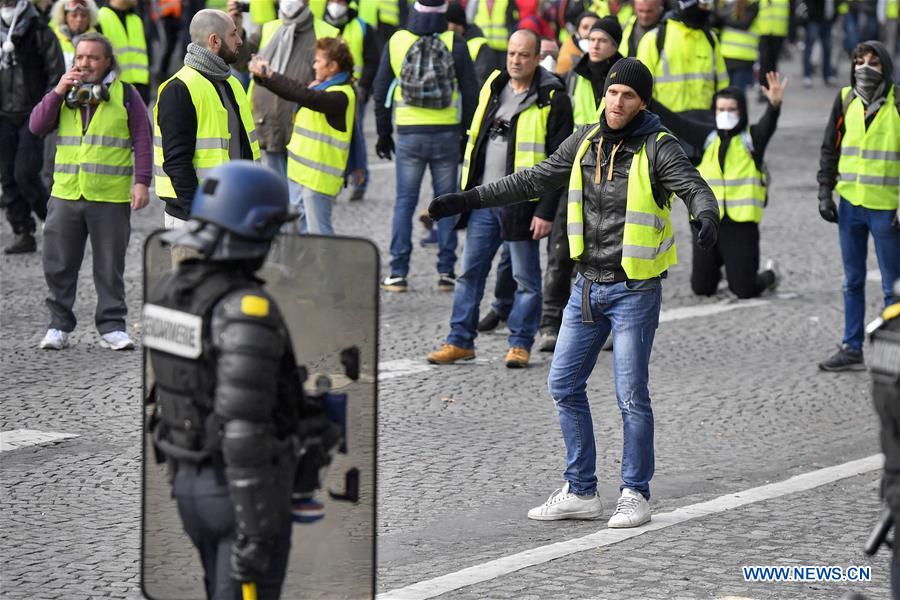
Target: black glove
[384, 147]
[249, 559]
[707, 228]
[462, 148]
[828, 210]
[453, 204]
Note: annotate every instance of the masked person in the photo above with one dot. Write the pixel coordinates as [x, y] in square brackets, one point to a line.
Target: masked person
[620, 234]
[647, 15]
[228, 412]
[860, 159]
[69, 19]
[122, 26]
[576, 45]
[733, 166]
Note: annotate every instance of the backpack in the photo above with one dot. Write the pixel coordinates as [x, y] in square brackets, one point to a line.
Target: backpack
[428, 75]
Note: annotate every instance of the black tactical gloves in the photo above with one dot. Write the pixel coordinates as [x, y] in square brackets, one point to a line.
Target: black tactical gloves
[249, 558]
[453, 204]
[707, 227]
[828, 210]
[384, 147]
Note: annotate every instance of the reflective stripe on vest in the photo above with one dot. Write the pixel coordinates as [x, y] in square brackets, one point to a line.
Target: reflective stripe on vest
[739, 44]
[584, 105]
[869, 167]
[683, 80]
[773, 17]
[96, 165]
[262, 11]
[493, 23]
[648, 244]
[398, 46]
[317, 152]
[389, 12]
[741, 189]
[213, 136]
[354, 35]
[130, 46]
[530, 136]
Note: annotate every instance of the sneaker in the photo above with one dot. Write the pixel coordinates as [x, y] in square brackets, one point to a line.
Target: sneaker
[517, 358]
[54, 340]
[429, 240]
[116, 340]
[772, 267]
[394, 283]
[490, 322]
[449, 354]
[807, 82]
[845, 359]
[563, 504]
[24, 243]
[446, 282]
[632, 510]
[358, 194]
[547, 342]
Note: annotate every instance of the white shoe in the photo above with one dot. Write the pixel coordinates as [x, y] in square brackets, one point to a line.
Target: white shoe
[54, 340]
[771, 265]
[807, 82]
[116, 340]
[632, 510]
[563, 504]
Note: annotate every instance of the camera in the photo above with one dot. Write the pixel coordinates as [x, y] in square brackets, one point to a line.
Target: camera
[499, 128]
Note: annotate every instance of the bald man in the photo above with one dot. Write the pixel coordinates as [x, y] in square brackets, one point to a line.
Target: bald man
[185, 148]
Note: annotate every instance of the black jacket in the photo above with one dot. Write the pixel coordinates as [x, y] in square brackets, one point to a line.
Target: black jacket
[596, 75]
[546, 88]
[604, 205]
[484, 60]
[38, 64]
[178, 128]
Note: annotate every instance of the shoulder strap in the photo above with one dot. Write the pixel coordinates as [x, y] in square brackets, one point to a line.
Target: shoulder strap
[652, 143]
[661, 37]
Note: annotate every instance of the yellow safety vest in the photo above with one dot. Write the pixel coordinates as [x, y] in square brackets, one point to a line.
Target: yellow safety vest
[321, 29]
[493, 23]
[129, 45]
[317, 152]
[389, 12]
[368, 12]
[354, 34]
[398, 46]
[626, 11]
[869, 167]
[65, 44]
[892, 9]
[773, 17]
[741, 188]
[584, 105]
[98, 164]
[213, 136]
[648, 243]
[627, 29]
[739, 44]
[475, 45]
[688, 72]
[600, 8]
[530, 137]
[262, 11]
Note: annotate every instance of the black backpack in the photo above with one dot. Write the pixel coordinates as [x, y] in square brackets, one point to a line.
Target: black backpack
[428, 75]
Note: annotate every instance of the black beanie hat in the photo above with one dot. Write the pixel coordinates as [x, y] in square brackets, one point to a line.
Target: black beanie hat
[456, 14]
[633, 73]
[610, 26]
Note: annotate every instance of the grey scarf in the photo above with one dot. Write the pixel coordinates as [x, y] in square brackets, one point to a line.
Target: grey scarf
[203, 60]
[279, 49]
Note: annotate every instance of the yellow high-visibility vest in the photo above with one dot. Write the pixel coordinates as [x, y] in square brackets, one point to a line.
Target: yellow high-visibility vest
[262, 11]
[97, 164]
[600, 8]
[368, 12]
[213, 136]
[626, 11]
[398, 46]
[648, 243]
[584, 104]
[740, 188]
[739, 44]
[317, 152]
[129, 45]
[493, 23]
[530, 137]
[773, 17]
[475, 45]
[869, 167]
[354, 34]
[627, 29]
[321, 29]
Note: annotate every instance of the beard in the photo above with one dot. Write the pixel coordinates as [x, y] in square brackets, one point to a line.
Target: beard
[229, 55]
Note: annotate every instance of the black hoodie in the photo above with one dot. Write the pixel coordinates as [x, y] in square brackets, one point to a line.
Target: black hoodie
[37, 68]
[830, 152]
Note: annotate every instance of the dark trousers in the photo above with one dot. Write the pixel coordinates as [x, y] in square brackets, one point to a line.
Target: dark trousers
[769, 49]
[505, 285]
[69, 225]
[21, 160]
[738, 251]
[558, 275]
[385, 32]
[171, 28]
[207, 516]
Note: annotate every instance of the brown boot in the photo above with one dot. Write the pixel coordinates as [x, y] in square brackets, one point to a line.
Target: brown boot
[449, 354]
[517, 358]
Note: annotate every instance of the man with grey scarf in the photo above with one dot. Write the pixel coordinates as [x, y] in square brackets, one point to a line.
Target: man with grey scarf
[289, 44]
[860, 159]
[221, 135]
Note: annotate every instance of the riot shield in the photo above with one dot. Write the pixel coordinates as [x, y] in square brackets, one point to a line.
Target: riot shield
[327, 291]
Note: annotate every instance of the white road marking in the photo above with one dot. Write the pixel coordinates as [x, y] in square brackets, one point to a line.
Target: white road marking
[389, 369]
[703, 310]
[22, 438]
[606, 537]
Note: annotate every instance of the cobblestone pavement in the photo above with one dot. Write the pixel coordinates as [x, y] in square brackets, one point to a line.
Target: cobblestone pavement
[465, 450]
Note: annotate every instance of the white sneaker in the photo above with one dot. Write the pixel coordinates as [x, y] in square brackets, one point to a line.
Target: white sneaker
[562, 504]
[632, 510]
[54, 340]
[771, 265]
[807, 82]
[116, 340]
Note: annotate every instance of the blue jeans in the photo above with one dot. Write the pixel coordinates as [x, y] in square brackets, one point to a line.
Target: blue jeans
[314, 208]
[817, 30]
[277, 161]
[415, 151]
[742, 78]
[482, 241]
[859, 27]
[505, 286]
[854, 225]
[631, 311]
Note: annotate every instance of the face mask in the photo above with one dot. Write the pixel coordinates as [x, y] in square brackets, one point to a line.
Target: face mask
[549, 63]
[290, 8]
[726, 121]
[868, 80]
[583, 45]
[337, 10]
[7, 13]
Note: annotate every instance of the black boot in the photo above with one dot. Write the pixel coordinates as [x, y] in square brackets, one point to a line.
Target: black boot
[23, 244]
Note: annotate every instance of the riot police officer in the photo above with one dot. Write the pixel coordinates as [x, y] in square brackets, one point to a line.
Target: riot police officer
[227, 389]
[884, 362]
